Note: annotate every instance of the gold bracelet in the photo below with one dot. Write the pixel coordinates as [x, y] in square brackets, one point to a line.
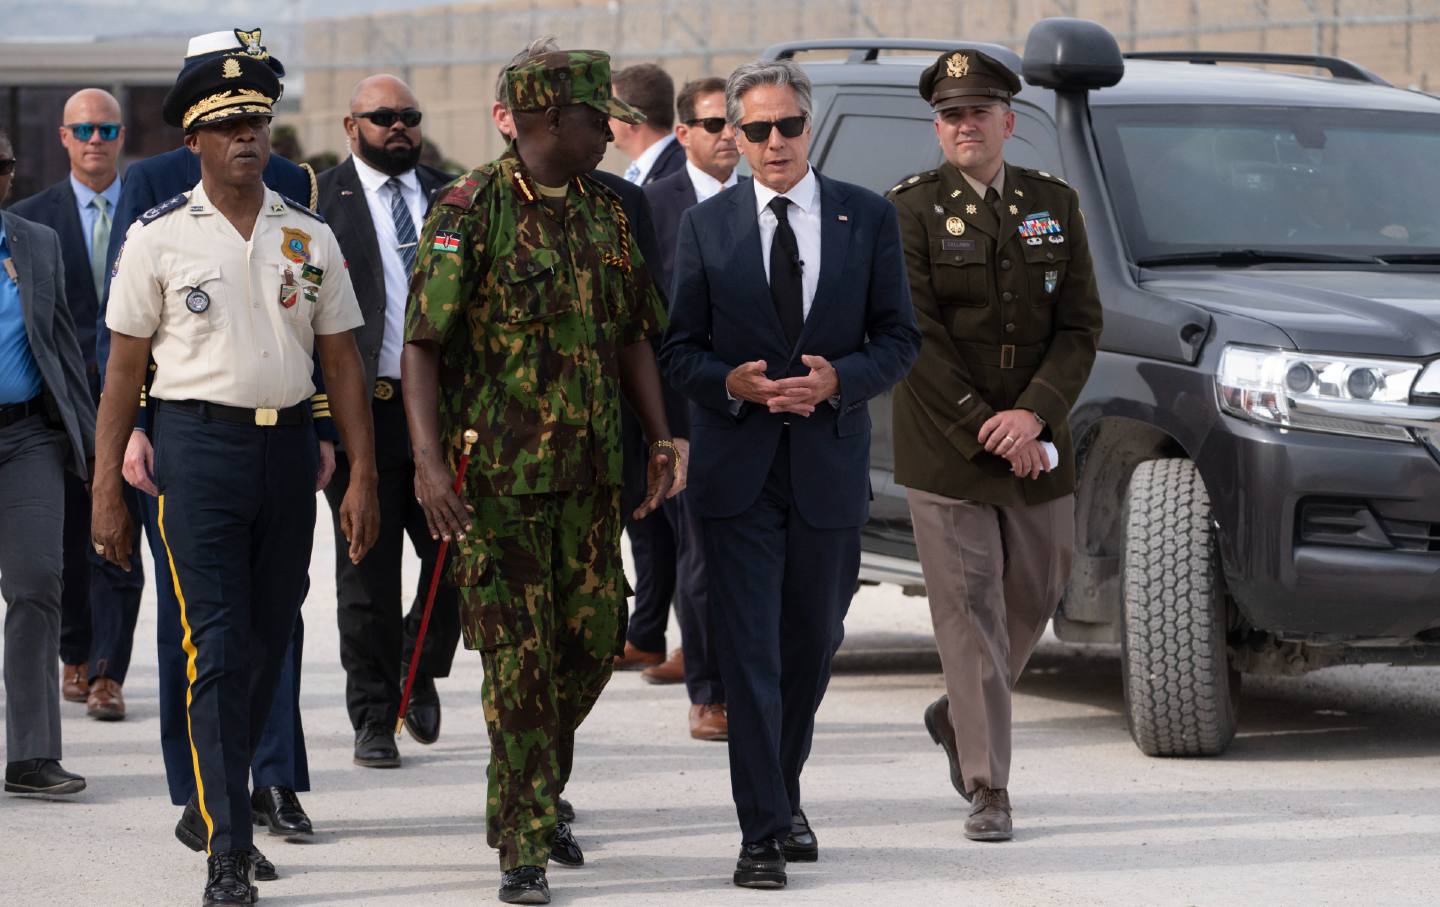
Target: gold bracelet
[662, 444]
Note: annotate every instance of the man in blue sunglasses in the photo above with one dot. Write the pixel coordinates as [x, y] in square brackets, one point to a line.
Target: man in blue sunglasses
[100, 602]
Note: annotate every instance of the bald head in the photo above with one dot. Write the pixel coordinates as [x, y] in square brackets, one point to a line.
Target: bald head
[91, 133]
[379, 106]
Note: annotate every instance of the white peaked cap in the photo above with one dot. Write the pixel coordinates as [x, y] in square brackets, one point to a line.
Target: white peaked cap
[212, 42]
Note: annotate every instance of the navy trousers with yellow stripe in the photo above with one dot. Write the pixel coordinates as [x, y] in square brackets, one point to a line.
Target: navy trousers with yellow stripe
[237, 520]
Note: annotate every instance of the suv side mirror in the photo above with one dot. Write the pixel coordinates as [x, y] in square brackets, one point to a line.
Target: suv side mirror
[1072, 55]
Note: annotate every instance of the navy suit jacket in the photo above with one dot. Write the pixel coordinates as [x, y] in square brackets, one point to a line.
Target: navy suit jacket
[669, 161]
[669, 199]
[721, 315]
[51, 333]
[55, 208]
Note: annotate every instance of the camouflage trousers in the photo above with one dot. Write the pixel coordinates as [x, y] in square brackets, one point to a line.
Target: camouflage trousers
[542, 596]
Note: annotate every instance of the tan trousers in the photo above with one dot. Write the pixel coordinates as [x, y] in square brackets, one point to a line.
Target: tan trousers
[994, 577]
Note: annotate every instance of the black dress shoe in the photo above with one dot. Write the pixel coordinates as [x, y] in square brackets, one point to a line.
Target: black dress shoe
[937, 722]
[191, 830]
[761, 865]
[375, 747]
[264, 870]
[563, 810]
[422, 715]
[800, 845]
[565, 850]
[524, 885]
[41, 776]
[279, 810]
[229, 879]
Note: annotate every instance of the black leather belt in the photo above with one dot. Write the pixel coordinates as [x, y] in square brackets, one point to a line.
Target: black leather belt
[11, 413]
[387, 388]
[239, 415]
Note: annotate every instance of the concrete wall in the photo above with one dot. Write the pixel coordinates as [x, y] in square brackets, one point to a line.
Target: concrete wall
[451, 54]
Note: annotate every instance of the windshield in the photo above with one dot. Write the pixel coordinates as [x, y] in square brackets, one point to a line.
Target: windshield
[1272, 183]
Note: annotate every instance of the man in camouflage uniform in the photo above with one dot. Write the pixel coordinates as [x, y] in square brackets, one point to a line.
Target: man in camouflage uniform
[531, 305]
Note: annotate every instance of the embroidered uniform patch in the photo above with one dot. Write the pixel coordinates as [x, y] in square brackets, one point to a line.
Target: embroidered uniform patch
[446, 241]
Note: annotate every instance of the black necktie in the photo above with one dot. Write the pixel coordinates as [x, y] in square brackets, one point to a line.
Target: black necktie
[786, 289]
[992, 198]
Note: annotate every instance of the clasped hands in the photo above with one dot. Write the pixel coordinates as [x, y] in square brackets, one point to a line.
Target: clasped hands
[1013, 434]
[800, 395]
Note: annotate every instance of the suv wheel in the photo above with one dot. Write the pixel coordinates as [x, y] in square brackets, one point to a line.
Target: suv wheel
[1181, 696]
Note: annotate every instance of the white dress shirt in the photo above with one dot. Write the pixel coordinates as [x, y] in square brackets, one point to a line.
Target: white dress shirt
[804, 216]
[397, 279]
[707, 186]
[646, 160]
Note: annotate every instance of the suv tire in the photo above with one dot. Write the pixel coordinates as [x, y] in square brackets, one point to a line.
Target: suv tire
[1181, 696]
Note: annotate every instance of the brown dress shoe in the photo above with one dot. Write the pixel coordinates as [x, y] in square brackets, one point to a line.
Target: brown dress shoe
[671, 670]
[989, 816]
[634, 659]
[708, 722]
[73, 685]
[105, 702]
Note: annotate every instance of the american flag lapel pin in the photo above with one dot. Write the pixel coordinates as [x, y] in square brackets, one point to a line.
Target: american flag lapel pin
[346, 192]
[843, 218]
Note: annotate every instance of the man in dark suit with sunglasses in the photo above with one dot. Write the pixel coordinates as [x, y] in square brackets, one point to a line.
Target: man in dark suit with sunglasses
[710, 159]
[101, 602]
[376, 201]
[790, 310]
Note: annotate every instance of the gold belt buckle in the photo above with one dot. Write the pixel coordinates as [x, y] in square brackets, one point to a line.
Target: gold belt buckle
[384, 389]
[267, 417]
[1007, 356]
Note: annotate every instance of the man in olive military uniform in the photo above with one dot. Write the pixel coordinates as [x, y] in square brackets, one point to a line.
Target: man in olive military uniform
[1004, 291]
[232, 288]
[532, 307]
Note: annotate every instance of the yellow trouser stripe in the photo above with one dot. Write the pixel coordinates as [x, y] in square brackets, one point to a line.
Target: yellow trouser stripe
[189, 646]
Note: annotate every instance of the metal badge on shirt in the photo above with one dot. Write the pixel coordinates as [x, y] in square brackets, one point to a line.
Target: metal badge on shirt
[289, 290]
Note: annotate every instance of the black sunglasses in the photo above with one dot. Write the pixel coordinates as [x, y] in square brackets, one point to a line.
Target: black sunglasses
[385, 117]
[759, 130]
[7, 166]
[712, 125]
[109, 132]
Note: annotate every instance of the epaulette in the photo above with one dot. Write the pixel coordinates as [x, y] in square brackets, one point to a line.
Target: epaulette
[461, 192]
[1041, 174]
[917, 179]
[296, 206]
[163, 208]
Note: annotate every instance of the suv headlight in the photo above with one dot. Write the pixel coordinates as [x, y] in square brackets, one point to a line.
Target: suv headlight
[1343, 395]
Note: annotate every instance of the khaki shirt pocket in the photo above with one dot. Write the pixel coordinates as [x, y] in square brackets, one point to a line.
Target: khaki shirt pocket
[197, 302]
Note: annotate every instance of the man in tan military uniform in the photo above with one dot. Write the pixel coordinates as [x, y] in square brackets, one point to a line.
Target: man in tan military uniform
[1004, 291]
[232, 288]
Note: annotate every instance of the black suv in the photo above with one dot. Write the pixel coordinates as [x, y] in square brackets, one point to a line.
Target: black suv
[1258, 443]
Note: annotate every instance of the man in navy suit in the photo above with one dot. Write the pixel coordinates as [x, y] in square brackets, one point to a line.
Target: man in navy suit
[280, 767]
[790, 311]
[100, 602]
[710, 159]
[651, 146]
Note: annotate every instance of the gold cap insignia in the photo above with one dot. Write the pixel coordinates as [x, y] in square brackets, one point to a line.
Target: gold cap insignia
[250, 41]
[954, 226]
[958, 66]
[231, 69]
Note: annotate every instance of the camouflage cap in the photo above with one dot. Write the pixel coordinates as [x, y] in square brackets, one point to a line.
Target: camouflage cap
[563, 78]
[967, 78]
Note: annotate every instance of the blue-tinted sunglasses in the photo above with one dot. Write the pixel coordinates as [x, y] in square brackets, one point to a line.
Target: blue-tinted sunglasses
[109, 132]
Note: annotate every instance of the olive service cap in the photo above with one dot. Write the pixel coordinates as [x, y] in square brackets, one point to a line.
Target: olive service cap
[225, 75]
[966, 77]
[563, 78]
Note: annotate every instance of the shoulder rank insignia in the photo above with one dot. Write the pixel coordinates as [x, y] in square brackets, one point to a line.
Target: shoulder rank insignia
[915, 180]
[163, 208]
[461, 192]
[296, 206]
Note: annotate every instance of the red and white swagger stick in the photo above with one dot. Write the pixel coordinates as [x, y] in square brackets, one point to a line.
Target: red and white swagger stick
[471, 436]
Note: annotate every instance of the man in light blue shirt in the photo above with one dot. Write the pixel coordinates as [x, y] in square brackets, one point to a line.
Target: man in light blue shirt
[19, 377]
[101, 603]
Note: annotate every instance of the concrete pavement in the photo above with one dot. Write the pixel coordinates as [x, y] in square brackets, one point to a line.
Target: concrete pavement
[1330, 795]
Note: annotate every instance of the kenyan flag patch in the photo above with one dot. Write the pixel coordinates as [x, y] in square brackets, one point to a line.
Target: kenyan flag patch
[446, 241]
